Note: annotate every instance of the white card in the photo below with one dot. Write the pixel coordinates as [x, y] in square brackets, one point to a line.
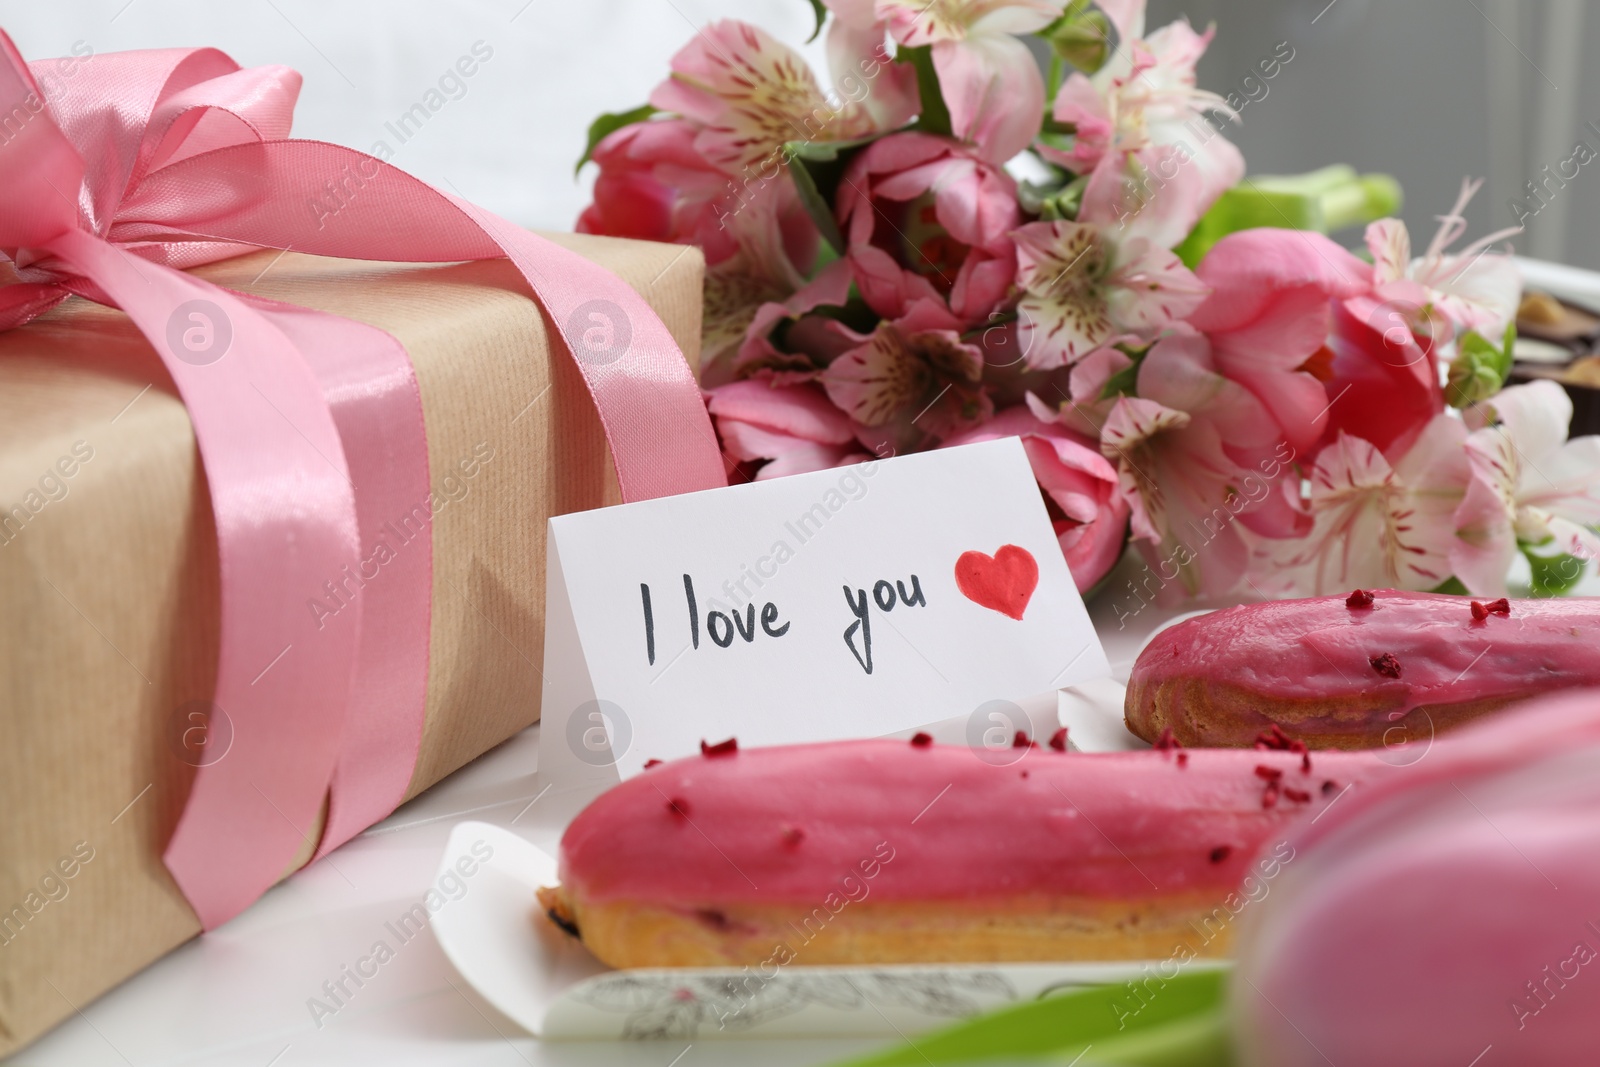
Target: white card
[845, 603]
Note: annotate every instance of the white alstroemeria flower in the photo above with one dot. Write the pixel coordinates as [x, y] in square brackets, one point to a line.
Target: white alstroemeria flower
[1536, 486]
[1375, 524]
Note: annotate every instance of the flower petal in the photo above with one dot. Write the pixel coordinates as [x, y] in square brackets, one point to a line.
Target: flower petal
[1131, 423]
[1250, 271]
[994, 91]
[876, 381]
[796, 411]
[1063, 315]
[857, 57]
[1149, 287]
[750, 91]
[1484, 544]
[1390, 244]
[1535, 416]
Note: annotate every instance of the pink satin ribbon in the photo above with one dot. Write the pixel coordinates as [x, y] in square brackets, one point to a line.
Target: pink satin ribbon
[310, 426]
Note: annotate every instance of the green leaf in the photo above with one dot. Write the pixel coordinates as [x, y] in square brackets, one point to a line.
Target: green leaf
[816, 167]
[1553, 575]
[1183, 1023]
[610, 123]
[1451, 585]
[822, 16]
[935, 115]
[1123, 382]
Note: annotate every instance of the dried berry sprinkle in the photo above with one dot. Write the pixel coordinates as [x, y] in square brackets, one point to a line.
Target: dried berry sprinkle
[1058, 740]
[921, 740]
[1299, 796]
[1271, 774]
[678, 806]
[1024, 774]
[1481, 611]
[1022, 740]
[793, 835]
[721, 748]
[1361, 598]
[1328, 787]
[1276, 740]
[1386, 665]
[1220, 853]
[1305, 763]
[1167, 742]
[651, 763]
[1183, 759]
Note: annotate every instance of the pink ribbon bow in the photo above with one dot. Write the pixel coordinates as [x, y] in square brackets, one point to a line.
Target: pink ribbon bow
[310, 426]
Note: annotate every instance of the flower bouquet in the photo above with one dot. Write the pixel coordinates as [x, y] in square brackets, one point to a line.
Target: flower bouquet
[949, 243]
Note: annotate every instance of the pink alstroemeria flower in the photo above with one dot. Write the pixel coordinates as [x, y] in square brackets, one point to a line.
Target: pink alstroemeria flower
[1080, 488]
[1085, 282]
[788, 428]
[750, 94]
[987, 76]
[1472, 289]
[1141, 117]
[1270, 313]
[911, 380]
[925, 218]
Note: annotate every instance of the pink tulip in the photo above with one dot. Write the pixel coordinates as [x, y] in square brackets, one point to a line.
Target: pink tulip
[1443, 915]
[1269, 316]
[1382, 381]
[655, 186]
[925, 218]
[788, 429]
[1089, 514]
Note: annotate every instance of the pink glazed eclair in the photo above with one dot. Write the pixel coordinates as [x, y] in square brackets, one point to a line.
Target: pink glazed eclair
[1359, 671]
[896, 852]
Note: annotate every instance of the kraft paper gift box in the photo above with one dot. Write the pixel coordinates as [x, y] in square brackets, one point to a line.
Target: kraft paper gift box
[109, 578]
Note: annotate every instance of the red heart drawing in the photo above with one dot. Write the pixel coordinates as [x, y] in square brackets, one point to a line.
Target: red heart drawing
[1003, 582]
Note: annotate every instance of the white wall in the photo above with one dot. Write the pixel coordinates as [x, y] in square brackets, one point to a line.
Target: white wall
[1429, 90]
[509, 143]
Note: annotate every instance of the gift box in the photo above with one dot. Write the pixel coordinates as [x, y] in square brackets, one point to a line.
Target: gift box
[109, 577]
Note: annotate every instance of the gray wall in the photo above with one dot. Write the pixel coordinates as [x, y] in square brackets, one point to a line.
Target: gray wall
[1429, 91]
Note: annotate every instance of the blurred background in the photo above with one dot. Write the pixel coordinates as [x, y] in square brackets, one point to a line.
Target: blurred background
[1430, 91]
